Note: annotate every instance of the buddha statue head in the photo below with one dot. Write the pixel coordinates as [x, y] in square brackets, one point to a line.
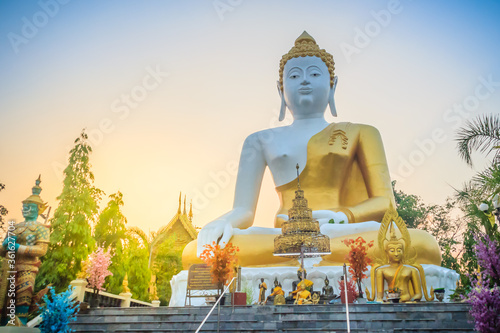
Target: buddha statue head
[276, 282]
[327, 282]
[395, 247]
[34, 205]
[306, 79]
[299, 273]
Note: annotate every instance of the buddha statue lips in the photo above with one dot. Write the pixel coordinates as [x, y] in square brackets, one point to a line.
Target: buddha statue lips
[344, 171]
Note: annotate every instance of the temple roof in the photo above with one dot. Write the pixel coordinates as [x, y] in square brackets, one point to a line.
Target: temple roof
[184, 219]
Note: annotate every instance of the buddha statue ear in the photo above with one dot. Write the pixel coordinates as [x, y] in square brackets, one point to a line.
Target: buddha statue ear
[331, 100]
[283, 103]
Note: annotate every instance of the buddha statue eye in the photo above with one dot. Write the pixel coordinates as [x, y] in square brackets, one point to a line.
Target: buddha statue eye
[294, 76]
[315, 74]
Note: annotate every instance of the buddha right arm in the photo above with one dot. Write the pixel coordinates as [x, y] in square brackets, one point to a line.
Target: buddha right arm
[250, 173]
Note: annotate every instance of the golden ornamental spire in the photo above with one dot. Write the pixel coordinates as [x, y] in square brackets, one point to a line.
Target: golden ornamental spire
[306, 46]
[298, 179]
[301, 232]
[125, 288]
[184, 205]
[190, 216]
[180, 199]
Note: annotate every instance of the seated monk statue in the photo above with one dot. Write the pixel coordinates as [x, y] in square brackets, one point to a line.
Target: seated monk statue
[278, 295]
[303, 295]
[277, 286]
[327, 289]
[308, 283]
[343, 171]
[398, 269]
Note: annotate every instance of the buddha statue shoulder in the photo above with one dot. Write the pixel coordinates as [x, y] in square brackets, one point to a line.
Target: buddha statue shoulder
[343, 171]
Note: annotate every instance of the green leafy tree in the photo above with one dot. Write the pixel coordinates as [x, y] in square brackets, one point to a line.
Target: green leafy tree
[111, 232]
[151, 241]
[410, 207]
[437, 220]
[168, 263]
[139, 274]
[71, 238]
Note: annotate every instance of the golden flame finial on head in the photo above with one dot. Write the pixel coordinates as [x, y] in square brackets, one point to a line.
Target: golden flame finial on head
[35, 196]
[305, 46]
[392, 234]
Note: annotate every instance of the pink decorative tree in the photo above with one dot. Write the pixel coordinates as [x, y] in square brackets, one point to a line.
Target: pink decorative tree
[97, 269]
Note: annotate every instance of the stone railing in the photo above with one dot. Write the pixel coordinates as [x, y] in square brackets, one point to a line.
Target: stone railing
[83, 294]
[123, 300]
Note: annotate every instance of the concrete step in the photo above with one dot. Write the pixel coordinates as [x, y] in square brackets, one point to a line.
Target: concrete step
[422, 317]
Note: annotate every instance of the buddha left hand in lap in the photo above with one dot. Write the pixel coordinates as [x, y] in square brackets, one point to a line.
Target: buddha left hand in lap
[344, 171]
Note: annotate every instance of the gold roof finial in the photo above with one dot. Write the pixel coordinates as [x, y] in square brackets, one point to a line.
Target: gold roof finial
[191, 211]
[306, 46]
[298, 180]
[180, 200]
[184, 205]
[125, 288]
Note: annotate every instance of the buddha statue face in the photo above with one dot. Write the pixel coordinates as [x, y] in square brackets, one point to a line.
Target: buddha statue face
[299, 274]
[30, 211]
[395, 252]
[327, 282]
[306, 84]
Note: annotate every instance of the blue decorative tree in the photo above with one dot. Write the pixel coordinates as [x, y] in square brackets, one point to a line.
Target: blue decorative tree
[58, 311]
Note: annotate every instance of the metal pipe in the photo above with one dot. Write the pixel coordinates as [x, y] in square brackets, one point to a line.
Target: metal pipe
[346, 300]
[213, 307]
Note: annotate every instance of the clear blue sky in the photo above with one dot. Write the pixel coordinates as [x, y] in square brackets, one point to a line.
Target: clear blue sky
[416, 74]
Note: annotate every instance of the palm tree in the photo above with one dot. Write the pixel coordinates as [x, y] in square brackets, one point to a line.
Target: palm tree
[481, 134]
[151, 241]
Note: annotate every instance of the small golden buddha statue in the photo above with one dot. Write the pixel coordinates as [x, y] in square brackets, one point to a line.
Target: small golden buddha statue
[396, 264]
[303, 295]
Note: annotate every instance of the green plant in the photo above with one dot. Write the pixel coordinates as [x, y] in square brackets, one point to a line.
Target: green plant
[247, 289]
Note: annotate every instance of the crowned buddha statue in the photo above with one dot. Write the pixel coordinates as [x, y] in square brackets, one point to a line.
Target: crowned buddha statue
[29, 241]
[395, 265]
[343, 170]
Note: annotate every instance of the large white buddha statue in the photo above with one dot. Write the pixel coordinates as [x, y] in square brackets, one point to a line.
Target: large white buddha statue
[343, 173]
